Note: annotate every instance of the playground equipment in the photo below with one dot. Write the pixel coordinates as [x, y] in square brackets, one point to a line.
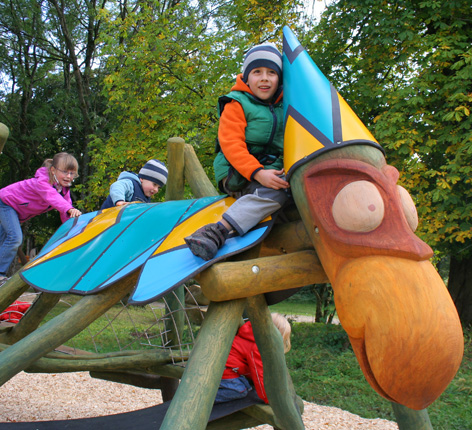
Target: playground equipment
[354, 226]
[4, 132]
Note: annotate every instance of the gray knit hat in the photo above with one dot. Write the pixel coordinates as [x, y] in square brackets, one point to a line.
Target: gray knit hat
[154, 171]
[265, 55]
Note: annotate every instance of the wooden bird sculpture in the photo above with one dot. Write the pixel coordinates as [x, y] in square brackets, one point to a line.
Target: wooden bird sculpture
[390, 300]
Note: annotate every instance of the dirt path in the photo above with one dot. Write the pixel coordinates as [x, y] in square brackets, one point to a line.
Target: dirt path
[42, 397]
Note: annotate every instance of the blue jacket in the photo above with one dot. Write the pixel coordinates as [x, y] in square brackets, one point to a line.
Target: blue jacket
[127, 189]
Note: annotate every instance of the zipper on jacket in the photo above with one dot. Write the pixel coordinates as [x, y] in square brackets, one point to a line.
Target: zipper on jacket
[274, 124]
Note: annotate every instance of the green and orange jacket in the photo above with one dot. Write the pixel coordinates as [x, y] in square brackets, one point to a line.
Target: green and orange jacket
[250, 133]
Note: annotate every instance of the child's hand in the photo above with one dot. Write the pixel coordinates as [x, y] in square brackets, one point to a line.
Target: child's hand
[121, 203]
[74, 213]
[271, 179]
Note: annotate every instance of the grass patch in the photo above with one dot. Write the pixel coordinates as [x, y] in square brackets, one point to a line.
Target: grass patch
[325, 371]
[130, 328]
[294, 308]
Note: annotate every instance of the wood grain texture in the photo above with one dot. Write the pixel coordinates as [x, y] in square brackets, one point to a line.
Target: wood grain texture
[389, 298]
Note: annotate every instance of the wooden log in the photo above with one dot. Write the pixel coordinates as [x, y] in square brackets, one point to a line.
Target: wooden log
[32, 318]
[61, 328]
[197, 390]
[175, 191]
[175, 328]
[235, 421]
[277, 383]
[145, 362]
[137, 379]
[286, 238]
[233, 280]
[175, 166]
[4, 132]
[409, 419]
[262, 413]
[196, 177]
[11, 290]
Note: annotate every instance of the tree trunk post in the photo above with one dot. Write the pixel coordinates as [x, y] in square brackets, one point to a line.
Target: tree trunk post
[195, 175]
[202, 376]
[4, 132]
[409, 419]
[32, 318]
[175, 165]
[279, 390]
[11, 290]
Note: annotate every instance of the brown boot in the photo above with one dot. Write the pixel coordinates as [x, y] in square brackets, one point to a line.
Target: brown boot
[206, 241]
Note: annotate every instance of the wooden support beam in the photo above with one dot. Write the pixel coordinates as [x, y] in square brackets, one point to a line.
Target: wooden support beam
[4, 132]
[11, 290]
[236, 421]
[175, 165]
[409, 419]
[32, 318]
[286, 238]
[146, 361]
[195, 175]
[231, 280]
[137, 379]
[199, 384]
[61, 328]
[277, 383]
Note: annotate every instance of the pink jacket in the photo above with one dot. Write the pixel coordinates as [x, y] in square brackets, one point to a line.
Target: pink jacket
[35, 196]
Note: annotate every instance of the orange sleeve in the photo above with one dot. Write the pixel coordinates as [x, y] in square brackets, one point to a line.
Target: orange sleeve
[232, 138]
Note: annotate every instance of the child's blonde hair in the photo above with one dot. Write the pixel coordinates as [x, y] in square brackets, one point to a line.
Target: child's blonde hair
[285, 329]
[62, 161]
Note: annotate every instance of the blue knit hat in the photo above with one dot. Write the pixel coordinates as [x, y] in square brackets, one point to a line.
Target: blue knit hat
[154, 171]
[265, 55]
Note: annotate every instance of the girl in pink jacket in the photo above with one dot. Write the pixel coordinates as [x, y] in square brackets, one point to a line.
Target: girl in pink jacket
[49, 189]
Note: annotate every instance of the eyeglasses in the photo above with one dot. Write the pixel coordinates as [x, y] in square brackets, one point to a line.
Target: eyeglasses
[72, 174]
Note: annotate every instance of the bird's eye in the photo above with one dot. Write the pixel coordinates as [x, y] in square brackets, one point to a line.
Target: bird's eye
[358, 207]
[409, 208]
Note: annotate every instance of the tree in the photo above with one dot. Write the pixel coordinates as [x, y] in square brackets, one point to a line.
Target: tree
[49, 99]
[406, 69]
[167, 68]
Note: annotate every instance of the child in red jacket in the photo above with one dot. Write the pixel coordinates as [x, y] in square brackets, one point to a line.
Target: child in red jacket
[244, 363]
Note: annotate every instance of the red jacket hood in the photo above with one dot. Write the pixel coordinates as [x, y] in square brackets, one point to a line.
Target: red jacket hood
[245, 331]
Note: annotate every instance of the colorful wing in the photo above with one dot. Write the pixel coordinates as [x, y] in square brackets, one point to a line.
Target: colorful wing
[91, 252]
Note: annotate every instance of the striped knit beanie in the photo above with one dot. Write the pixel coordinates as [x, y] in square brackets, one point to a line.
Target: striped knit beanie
[154, 171]
[265, 55]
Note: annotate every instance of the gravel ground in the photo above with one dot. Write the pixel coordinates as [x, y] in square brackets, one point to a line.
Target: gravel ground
[43, 397]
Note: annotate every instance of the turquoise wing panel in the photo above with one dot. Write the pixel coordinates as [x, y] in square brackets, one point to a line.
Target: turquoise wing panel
[181, 265]
[69, 229]
[120, 248]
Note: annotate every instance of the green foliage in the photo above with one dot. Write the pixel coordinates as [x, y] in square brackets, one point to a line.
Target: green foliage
[325, 371]
[167, 69]
[131, 328]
